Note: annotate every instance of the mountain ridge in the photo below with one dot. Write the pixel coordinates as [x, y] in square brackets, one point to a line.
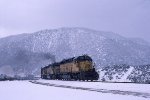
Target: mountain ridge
[106, 48]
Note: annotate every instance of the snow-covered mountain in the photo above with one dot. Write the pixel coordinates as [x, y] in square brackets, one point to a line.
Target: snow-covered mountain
[28, 52]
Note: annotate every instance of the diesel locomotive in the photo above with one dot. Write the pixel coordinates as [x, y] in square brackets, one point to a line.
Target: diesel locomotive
[76, 68]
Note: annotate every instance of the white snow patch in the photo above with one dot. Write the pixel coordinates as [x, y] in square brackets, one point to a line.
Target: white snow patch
[24, 90]
[124, 78]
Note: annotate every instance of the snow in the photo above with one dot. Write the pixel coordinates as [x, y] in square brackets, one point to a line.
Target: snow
[24, 90]
[145, 88]
[124, 78]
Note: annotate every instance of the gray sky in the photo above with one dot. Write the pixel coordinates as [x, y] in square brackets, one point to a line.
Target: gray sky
[129, 18]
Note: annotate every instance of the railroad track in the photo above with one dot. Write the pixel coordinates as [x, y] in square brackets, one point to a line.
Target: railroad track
[138, 94]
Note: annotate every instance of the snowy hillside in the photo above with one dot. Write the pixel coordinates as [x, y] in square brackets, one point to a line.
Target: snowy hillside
[27, 53]
[125, 73]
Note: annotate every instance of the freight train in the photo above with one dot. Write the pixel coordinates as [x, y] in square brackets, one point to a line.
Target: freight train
[76, 68]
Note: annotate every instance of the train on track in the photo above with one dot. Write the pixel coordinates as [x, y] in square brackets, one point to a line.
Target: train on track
[76, 68]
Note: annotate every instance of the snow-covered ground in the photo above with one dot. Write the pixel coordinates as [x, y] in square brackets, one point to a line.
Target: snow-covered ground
[145, 88]
[24, 90]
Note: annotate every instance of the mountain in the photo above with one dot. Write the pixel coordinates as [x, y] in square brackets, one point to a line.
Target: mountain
[27, 53]
[140, 41]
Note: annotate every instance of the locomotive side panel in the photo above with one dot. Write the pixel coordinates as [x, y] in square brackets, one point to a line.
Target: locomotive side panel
[69, 67]
[49, 70]
[85, 65]
[56, 69]
[75, 68]
[64, 68]
[44, 73]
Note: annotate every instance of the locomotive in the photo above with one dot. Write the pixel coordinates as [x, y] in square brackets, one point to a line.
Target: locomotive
[76, 68]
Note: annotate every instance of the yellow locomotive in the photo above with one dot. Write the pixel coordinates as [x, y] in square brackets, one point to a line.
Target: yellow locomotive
[76, 68]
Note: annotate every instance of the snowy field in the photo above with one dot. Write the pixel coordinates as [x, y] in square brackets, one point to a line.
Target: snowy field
[145, 88]
[25, 90]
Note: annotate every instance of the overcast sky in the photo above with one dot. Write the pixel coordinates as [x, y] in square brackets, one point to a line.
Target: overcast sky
[129, 18]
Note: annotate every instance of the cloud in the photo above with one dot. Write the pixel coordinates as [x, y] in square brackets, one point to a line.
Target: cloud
[127, 17]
